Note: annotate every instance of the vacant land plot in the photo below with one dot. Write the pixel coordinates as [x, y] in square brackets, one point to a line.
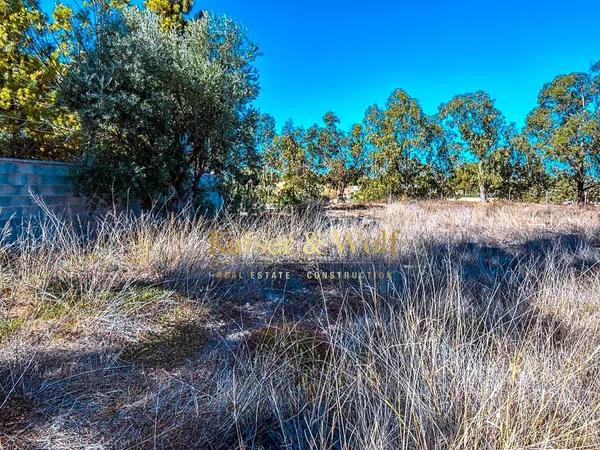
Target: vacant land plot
[407, 326]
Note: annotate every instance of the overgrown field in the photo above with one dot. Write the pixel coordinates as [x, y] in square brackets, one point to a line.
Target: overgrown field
[483, 333]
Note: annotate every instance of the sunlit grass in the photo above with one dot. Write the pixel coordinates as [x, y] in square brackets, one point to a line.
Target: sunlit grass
[487, 336]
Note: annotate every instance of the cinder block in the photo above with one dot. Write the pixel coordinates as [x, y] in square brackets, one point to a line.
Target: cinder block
[24, 212]
[40, 189]
[49, 180]
[10, 166]
[17, 212]
[33, 200]
[29, 179]
[52, 169]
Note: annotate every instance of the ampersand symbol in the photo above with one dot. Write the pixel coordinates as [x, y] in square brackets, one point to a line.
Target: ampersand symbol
[312, 244]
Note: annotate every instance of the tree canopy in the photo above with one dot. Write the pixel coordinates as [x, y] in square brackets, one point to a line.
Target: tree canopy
[565, 127]
[31, 65]
[479, 128]
[147, 99]
[408, 149]
[160, 108]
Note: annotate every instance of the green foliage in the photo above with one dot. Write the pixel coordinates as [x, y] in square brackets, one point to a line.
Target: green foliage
[241, 183]
[510, 173]
[409, 153]
[562, 189]
[292, 165]
[170, 12]
[478, 128]
[158, 109]
[464, 179]
[565, 127]
[518, 172]
[340, 155]
[148, 101]
[9, 326]
[31, 124]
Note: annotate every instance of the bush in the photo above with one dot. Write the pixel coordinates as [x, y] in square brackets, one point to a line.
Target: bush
[158, 109]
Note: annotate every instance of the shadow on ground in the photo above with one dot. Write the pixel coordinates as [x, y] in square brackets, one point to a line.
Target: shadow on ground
[101, 392]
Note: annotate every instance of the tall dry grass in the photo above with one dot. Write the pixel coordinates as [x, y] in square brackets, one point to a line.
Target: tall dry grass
[115, 334]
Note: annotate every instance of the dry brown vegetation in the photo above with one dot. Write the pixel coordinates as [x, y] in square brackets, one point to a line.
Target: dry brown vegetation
[486, 337]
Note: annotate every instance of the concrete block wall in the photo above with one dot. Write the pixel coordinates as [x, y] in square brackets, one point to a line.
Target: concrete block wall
[49, 180]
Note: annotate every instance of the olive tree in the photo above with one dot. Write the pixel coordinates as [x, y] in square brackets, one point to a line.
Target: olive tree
[160, 107]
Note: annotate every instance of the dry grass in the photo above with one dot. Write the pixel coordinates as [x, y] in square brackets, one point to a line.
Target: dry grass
[487, 336]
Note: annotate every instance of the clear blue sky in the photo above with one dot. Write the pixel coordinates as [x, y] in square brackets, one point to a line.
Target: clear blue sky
[344, 56]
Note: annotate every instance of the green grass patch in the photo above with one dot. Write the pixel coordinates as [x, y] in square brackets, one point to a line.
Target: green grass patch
[141, 295]
[9, 326]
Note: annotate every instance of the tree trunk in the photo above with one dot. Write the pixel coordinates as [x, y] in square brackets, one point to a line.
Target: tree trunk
[341, 192]
[482, 192]
[580, 192]
[198, 163]
[580, 182]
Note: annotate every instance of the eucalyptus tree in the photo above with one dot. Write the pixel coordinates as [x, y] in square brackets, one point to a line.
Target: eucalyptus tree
[407, 148]
[565, 127]
[357, 159]
[339, 154]
[517, 169]
[159, 108]
[479, 130]
[294, 161]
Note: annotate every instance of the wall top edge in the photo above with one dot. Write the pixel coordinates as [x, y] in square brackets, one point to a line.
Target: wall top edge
[36, 161]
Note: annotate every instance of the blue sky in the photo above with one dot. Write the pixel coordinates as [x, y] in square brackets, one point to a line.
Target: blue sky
[344, 56]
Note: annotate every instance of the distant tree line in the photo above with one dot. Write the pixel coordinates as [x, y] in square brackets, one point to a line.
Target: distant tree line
[146, 100]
